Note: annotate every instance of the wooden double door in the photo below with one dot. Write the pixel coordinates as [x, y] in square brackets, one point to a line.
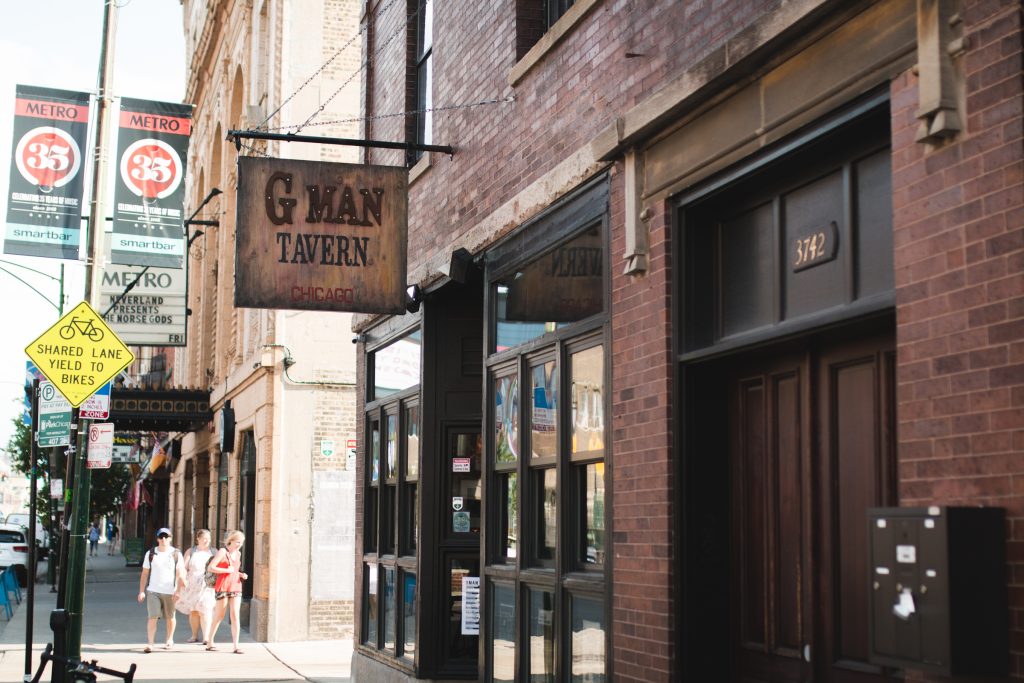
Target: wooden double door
[810, 448]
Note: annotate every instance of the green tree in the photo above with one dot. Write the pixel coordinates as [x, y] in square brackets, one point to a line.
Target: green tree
[109, 486]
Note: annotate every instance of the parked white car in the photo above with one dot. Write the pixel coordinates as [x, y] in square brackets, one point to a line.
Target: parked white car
[21, 519]
[14, 551]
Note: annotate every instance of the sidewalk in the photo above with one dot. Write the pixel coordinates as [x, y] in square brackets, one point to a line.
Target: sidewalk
[114, 634]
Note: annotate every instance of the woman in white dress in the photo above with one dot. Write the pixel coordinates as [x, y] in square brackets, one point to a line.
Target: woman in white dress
[197, 600]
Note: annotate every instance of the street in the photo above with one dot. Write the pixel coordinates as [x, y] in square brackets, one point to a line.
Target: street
[114, 631]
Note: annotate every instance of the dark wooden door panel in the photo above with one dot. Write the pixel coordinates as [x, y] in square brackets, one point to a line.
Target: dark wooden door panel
[767, 459]
[810, 450]
[855, 457]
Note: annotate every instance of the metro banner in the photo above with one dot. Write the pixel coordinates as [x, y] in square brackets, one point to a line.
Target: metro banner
[149, 193]
[47, 178]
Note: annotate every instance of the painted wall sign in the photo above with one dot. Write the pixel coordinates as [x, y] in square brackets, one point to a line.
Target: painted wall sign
[149, 195]
[321, 236]
[44, 201]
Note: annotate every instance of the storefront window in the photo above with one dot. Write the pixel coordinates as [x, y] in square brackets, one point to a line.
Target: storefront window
[506, 419]
[412, 442]
[542, 637]
[464, 469]
[370, 615]
[591, 487]
[549, 336]
[508, 492]
[391, 500]
[587, 379]
[503, 633]
[563, 286]
[396, 367]
[408, 615]
[463, 608]
[587, 647]
[389, 609]
[545, 514]
[544, 413]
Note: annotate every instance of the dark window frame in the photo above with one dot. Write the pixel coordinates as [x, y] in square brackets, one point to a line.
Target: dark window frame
[399, 555]
[565, 575]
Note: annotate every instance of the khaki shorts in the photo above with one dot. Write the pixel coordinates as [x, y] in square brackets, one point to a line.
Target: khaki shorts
[159, 605]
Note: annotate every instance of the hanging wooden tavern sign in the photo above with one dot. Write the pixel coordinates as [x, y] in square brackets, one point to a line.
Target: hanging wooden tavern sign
[321, 236]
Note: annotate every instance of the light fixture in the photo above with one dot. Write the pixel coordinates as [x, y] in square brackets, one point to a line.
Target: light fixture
[413, 297]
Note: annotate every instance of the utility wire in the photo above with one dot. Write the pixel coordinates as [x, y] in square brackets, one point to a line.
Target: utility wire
[411, 112]
[323, 66]
[362, 67]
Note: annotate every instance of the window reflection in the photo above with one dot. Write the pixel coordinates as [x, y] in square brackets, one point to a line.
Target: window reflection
[544, 416]
[397, 366]
[506, 419]
[508, 490]
[503, 632]
[592, 514]
[390, 623]
[412, 442]
[587, 373]
[370, 625]
[542, 637]
[546, 502]
[587, 648]
[562, 286]
[392, 447]
[409, 614]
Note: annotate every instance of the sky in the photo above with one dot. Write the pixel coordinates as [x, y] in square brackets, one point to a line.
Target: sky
[56, 43]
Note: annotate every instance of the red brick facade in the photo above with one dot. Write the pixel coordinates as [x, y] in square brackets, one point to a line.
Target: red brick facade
[958, 236]
[959, 256]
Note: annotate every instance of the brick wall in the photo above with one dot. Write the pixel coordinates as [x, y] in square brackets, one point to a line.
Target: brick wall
[474, 52]
[642, 471]
[959, 256]
[330, 620]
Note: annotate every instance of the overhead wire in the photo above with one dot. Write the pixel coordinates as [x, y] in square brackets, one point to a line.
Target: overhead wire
[323, 66]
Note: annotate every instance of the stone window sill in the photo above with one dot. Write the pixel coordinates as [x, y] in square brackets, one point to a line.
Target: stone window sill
[549, 40]
[419, 168]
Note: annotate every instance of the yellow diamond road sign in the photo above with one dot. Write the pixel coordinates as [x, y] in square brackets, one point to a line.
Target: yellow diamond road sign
[79, 354]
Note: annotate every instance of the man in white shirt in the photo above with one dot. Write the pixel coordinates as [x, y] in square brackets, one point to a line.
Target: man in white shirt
[163, 578]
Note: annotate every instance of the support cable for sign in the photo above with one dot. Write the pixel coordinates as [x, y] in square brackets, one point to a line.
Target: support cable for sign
[405, 114]
[237, 135]
[323, 66]
[362, 67]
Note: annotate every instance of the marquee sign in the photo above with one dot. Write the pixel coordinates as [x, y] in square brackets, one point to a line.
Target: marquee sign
[321, 236]
[154, 311]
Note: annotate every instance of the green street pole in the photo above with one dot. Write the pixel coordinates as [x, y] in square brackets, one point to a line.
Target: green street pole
[83, 477]
[55, 508]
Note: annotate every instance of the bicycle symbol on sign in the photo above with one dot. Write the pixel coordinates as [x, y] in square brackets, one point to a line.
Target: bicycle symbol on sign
[81, 326]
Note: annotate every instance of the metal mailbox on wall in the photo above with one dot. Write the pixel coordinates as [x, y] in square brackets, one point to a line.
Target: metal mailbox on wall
[939, 591]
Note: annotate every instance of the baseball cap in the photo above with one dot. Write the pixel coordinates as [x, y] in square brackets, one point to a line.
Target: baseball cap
[163, 531]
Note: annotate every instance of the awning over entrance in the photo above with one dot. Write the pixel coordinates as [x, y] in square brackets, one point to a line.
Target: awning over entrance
[160, 410]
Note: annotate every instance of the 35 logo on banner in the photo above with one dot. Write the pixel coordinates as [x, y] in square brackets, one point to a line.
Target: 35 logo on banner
[48, 157]
[151, 169]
